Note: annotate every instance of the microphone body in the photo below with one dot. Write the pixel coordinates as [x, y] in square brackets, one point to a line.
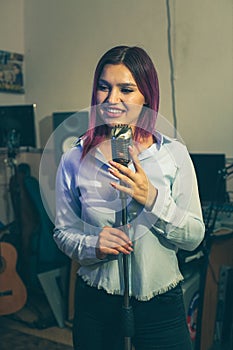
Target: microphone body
[121, 139]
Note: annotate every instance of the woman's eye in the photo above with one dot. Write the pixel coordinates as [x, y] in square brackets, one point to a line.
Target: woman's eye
[126, 91]
[102, 87]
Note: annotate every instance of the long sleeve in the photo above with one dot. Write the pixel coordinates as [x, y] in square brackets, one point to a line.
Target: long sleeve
[177, 209]
[69, 227]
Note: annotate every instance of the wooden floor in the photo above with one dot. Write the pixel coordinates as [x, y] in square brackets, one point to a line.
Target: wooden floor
[14, 339]
[16, 336]
[34, 327]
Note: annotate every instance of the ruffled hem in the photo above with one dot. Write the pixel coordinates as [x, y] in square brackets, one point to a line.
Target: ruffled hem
[160, 291]
[139, 297]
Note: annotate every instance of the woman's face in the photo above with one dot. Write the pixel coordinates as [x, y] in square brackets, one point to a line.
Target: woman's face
[118, 97]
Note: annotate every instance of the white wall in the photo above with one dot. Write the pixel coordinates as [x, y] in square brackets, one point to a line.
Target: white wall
[64, 42]
[63, 39]
[204, 74]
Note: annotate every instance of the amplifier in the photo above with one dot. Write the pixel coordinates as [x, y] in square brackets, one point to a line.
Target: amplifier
[191, 294]
[224, 309]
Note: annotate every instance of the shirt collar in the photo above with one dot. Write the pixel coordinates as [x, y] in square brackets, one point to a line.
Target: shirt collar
[159, 139]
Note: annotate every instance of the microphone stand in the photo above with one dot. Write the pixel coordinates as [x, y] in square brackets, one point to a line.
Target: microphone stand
[127, 310]
[121, 139]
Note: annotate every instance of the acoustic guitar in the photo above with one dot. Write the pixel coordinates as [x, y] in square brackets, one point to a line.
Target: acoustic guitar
[13, 293]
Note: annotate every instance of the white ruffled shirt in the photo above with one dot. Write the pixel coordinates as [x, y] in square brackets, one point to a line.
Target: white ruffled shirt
[86, 202]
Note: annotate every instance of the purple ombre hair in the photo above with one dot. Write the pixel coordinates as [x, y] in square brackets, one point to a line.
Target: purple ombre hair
[145, 75]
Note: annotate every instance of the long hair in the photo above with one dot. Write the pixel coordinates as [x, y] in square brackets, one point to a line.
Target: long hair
[142, 69]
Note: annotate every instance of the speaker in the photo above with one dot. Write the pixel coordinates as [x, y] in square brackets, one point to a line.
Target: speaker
[190, 289]
[218, 254]
[224, 309]
[68, 127]
[211, 184]
[17, 126]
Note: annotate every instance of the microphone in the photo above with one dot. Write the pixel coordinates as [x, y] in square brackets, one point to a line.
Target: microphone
[120, 141]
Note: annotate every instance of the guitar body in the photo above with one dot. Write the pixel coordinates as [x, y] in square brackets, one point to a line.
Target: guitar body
[13, 293]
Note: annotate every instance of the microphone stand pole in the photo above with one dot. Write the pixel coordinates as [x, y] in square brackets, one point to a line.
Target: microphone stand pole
[121, 139]
[127, 310]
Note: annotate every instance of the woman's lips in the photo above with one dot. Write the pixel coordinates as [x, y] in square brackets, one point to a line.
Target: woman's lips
[113, 112]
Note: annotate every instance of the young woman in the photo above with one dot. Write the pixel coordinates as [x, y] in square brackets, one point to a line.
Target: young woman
[163, 208]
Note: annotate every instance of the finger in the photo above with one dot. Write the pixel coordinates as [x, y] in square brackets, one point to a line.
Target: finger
[125, 249]
[113, 248]
[122, 240]
[128, 190]
[118, 167]
[126, 179]
[113, 241]
[122, 173]
[134, 156]
[116, 235]
[103, 252]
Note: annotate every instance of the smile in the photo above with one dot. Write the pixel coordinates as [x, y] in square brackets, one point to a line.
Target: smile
[115, 112]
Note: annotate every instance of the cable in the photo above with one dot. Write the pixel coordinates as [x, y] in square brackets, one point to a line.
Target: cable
[171, 67]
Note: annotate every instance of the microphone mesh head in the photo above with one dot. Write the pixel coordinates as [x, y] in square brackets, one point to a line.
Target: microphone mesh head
[121, 140]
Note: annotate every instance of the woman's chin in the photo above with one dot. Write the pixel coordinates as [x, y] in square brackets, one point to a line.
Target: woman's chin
[114, 121]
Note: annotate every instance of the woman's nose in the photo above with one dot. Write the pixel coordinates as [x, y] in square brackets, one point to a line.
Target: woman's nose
[114, 96]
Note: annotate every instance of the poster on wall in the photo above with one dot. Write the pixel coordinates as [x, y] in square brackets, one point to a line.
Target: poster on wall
[11, 72]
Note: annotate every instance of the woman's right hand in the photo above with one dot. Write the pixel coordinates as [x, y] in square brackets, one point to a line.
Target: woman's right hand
[112, 241]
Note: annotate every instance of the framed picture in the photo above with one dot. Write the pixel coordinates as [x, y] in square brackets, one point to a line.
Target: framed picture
[11, 72]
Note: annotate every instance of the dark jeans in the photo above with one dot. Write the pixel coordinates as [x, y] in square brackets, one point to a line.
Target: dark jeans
[160, 323]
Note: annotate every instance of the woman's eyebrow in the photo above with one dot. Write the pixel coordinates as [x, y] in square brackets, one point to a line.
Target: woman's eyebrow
[127, 84]
[120, 84]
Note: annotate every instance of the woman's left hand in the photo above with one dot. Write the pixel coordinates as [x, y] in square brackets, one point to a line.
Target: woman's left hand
[135, 184]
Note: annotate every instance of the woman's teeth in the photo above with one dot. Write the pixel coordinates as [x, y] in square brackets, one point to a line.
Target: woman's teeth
[114, 111]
